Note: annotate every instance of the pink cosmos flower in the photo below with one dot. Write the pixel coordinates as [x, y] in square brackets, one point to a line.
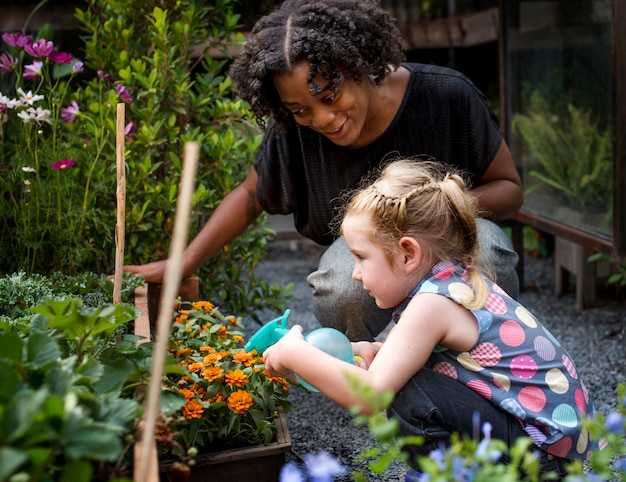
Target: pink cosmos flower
[17, 39]
[60, 57]
[129, 130]
[68, 114]
[42, 48]
[124, 93]
[33, 71]
[64, 164]
[7, 62]
[103, 75]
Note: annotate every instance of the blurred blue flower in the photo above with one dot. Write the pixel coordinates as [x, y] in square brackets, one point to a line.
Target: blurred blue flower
[615, 423]
[291, 473]
[323, 467]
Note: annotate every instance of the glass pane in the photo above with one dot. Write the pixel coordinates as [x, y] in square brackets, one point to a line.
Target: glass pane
[560, 108]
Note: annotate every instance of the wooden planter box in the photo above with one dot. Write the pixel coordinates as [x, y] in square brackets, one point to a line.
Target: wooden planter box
[261, 463]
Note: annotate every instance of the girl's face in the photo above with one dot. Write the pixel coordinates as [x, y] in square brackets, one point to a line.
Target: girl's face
[382, 277]
[340, 116]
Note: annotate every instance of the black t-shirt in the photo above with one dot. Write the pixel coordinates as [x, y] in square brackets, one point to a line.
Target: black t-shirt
[443, 115]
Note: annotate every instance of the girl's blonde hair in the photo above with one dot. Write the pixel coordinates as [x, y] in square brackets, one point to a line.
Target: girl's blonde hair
[428, 201]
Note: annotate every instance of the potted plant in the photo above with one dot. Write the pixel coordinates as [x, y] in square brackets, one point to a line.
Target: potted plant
[226, 407]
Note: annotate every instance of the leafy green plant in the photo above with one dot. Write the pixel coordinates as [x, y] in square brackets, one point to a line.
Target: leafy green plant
[65, 401]
[573, 155]
[161, 53]
[618, 278]
[20, 292]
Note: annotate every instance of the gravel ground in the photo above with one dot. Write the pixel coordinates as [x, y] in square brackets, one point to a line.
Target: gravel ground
[594, 338]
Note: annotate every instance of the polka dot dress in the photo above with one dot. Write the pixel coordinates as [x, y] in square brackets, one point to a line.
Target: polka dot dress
[518, 365]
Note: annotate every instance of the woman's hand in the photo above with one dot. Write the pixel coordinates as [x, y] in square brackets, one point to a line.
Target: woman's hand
[151, 272]
[276, 357]
[366, 351]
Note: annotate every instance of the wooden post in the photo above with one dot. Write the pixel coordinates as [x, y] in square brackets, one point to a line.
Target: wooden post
[121, 204]
[171, 287]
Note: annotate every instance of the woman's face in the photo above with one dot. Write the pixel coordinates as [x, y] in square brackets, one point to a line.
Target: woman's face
[340, 116]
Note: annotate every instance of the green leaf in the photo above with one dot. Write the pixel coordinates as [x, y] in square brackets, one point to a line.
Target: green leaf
[77, 471]
[91, 440]
[41, 350]
[10, 461]
[9, 382]
[11, 347]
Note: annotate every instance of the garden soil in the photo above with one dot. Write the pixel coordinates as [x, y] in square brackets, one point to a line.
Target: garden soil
[594, 338]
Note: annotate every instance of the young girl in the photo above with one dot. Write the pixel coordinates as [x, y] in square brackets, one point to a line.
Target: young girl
[460, 344]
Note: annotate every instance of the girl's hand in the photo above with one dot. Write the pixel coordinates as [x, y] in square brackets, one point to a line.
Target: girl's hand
[276, 357]
[366, 351]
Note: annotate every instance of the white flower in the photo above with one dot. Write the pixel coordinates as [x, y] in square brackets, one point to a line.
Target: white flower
[38, 115]
[28, 98]
[28, 169]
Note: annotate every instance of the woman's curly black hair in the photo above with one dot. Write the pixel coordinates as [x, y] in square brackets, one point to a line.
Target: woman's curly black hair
[339, 38]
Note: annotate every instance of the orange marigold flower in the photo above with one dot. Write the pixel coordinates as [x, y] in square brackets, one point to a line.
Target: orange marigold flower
[207, 348]
[188, 394]
[244, 357]
[222, 333]
[182, 317]
[183, 352]
[206, 306]
[238, 339]
[195, 367]
[212, 373]
[231, 319]
[237, 378]
[193, 409]
[218, 397]
[240, 401]
[212, 358]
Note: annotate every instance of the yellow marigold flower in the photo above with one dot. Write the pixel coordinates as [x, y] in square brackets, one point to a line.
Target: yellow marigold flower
[212, 358]
[206, 326]
[240, 401]
[238, 339]
[218, 397]
[244, 357]
[193, 409]
[206, 306]
[195, 367]
[188, 394]
[212, 373]
[237, 378]
[188, 329]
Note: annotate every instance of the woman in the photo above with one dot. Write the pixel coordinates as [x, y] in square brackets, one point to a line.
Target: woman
[329, 79]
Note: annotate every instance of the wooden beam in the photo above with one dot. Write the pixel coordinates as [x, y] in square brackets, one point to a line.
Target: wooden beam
[463, 31]
[61, 17]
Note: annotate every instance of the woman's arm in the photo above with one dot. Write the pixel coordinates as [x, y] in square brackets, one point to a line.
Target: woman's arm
[238, 210]
[500, 194]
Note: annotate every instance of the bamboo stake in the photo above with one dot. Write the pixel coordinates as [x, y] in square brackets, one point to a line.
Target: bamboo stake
[171, 286]
[121, 204]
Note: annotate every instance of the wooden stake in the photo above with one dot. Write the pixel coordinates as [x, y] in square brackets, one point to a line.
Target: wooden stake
[121, 203]
[171, 286]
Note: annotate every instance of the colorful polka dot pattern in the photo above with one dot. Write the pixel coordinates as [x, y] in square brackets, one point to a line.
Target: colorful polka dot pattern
[518, 365]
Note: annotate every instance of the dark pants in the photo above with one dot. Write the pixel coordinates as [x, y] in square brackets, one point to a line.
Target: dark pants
[434, 406]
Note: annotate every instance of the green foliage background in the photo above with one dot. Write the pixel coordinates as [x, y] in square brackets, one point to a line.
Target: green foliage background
[159, 51]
